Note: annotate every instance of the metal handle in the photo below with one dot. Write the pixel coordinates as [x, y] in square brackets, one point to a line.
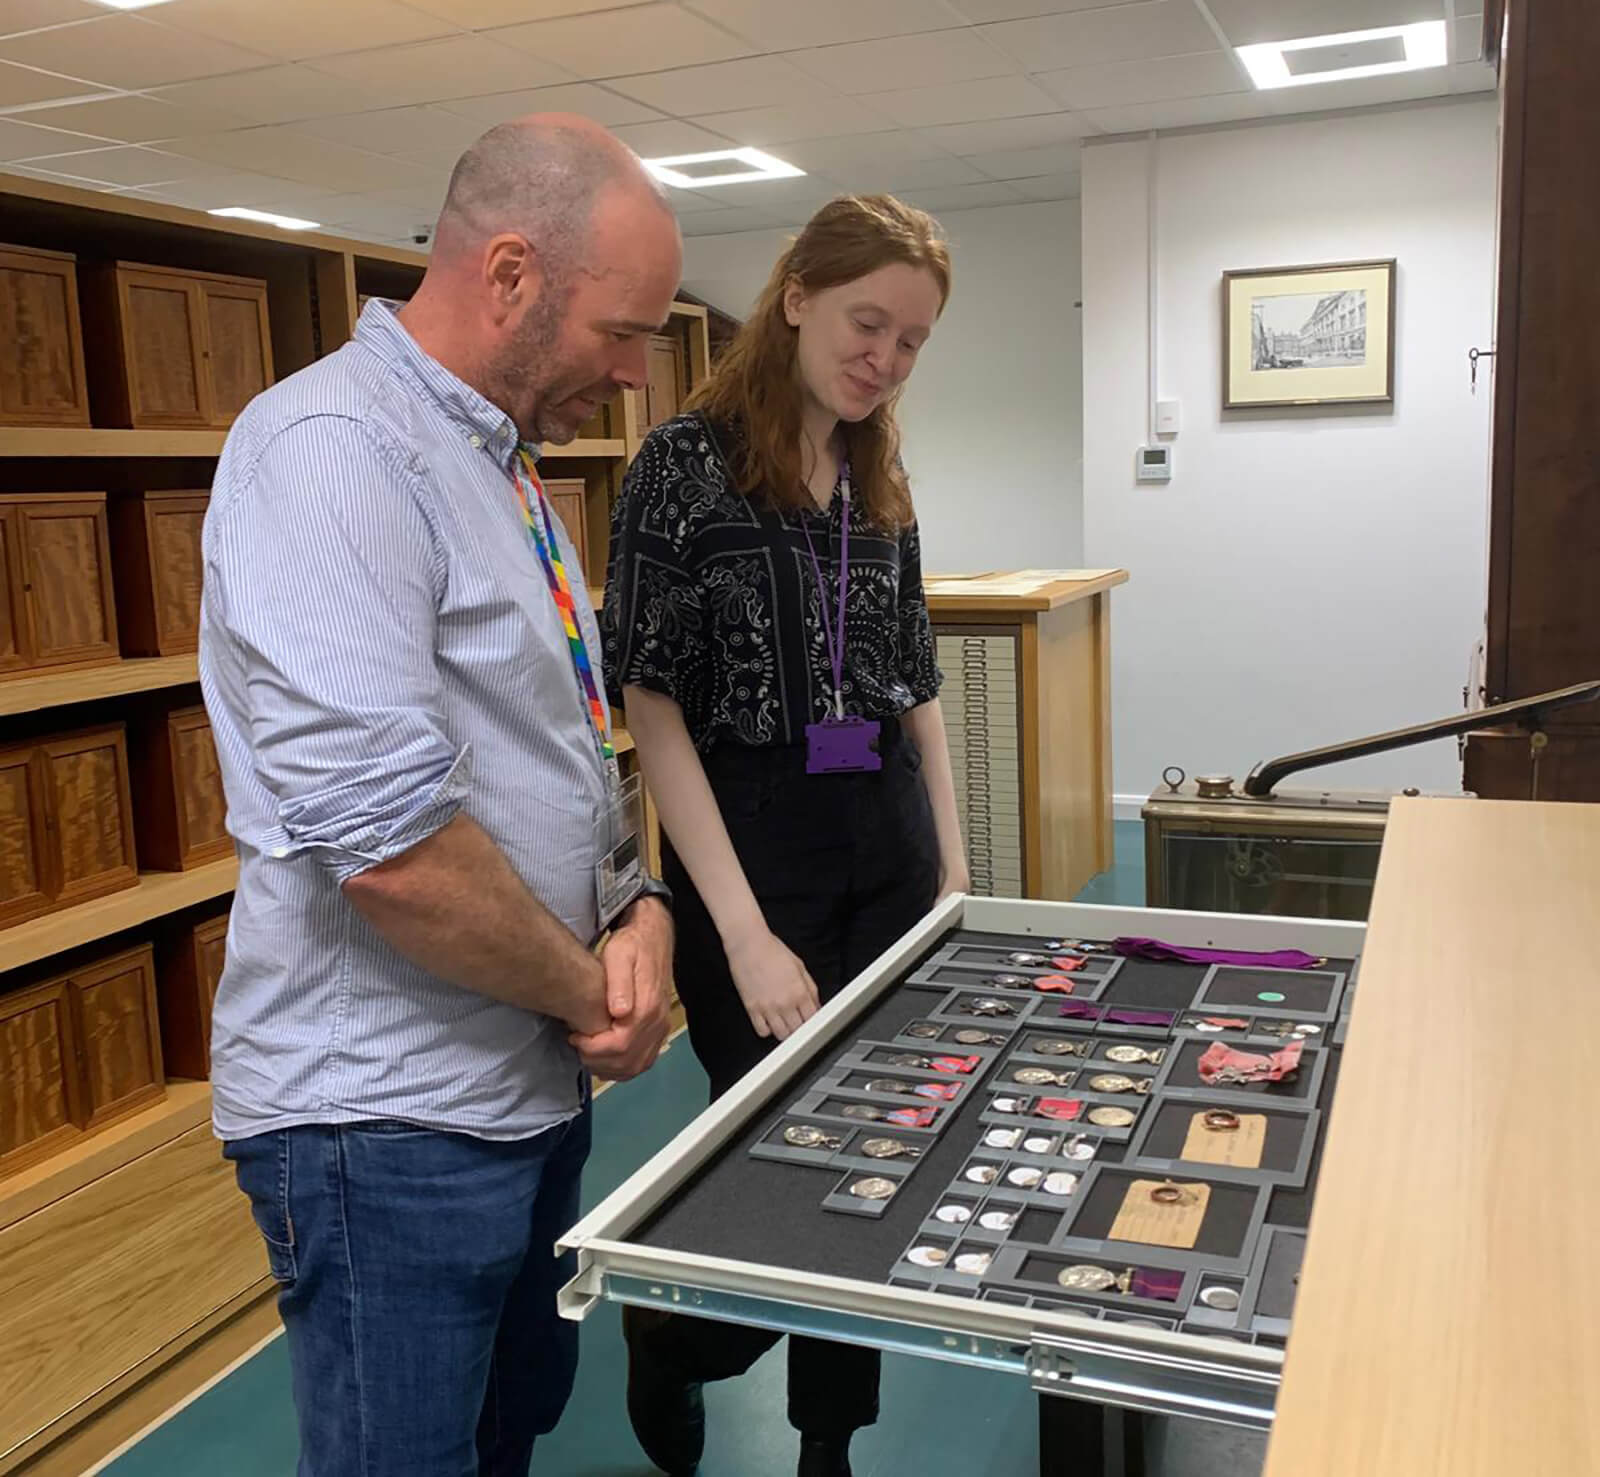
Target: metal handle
[1473, 355]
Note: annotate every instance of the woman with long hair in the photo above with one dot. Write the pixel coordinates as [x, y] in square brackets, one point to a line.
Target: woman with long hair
[766, 630]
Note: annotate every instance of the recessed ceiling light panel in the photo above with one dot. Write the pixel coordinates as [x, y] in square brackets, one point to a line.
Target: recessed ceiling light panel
[266, 217]
[1340, 58]
[128, 4]
[697, 171]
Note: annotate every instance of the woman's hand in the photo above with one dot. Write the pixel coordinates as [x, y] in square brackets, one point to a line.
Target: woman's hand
[778, 994]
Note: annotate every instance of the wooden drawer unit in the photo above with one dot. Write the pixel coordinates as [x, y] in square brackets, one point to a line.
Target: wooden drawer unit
[181, 816]
[66, 823]
[119, 1036]
[568, 498]
[56, 602]
[666, 381]
[42, 380]
[189, 965]
[167, 348]
[159, 565]
[41, 1107]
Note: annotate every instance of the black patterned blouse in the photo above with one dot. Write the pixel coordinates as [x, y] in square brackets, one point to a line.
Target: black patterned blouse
[711, 599]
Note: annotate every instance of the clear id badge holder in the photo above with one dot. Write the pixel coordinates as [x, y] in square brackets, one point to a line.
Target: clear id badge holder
[619, 874]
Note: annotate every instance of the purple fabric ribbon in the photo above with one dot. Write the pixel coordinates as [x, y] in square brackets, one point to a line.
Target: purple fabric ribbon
[1082, 1010]
[1149, 1282]
[1137, 948]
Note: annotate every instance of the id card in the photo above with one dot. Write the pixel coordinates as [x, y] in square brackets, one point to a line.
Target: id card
[619, 873]
[843, 746]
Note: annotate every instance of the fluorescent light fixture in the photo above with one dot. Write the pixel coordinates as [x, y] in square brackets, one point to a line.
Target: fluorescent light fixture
[758, 166]
[1365, 54]
[266, 217]
[128, 4]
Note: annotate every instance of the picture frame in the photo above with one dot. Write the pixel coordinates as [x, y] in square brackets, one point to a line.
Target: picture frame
[1308, 336]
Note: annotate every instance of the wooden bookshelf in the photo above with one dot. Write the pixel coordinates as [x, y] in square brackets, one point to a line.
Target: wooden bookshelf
[88, 684]
[154, 896]
[610, 449]
[88, 441]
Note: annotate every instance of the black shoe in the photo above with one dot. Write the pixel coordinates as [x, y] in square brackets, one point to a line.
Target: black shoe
[824, 1456]
[668, 1415]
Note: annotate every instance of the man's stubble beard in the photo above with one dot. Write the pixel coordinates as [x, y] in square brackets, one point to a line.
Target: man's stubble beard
[529, 377]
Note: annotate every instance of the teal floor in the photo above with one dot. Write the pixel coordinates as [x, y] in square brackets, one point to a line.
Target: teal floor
[937, 1418]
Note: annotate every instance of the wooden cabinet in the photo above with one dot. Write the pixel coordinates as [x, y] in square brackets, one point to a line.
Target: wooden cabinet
[159, 564]
[189, 965]
[56, 602]
[66, 827]
[42, 379]
[568, 496]
[181, 815]
[170, 349]
[666, 381]
[119, 1035]
[41, 1107]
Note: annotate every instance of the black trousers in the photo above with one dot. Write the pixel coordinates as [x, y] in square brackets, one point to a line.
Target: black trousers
[842, 865]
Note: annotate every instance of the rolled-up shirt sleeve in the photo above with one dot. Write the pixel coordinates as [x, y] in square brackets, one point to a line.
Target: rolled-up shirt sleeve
[323, 580]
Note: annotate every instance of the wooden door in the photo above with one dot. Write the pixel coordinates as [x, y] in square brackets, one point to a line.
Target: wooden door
[568, 497]
[28, 870]
[41, 1107]
[202, 805]
[238, 351]
[14, 653]
[664, 388]
[69, 606]
[41, 341]
[119, 1036]
[163, 348]
[188, 973]
[89, 813]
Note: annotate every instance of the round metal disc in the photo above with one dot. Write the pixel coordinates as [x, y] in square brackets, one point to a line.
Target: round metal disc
[1078, 1148]
[886, 1149]
[923, 1031]
[1002, 1138]
[1127, 1055]
[874, 1187]
[1111, 1117]
[973, 1263]
[1033, 1076]
[968, 1037]
[1086, 1278]
[1024, 1176]
[888, 1084]
[803, 1135]
[1037, 1145]
[997, 1220]
[1112, 1082]
[1223, 1299]
[906, 1059]
[863, 1110]
[1060, 1182]
[983, 1174]
[953, 1215]
[927, 1256]
[1046, 1047]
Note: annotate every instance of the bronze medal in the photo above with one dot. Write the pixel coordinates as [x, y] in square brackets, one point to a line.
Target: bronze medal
[875, 1187]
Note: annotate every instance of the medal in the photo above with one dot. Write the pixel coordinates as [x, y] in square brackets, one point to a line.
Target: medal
[1027, 961]
[953, 1215]
[997, 1220]
[1078, 1147]
[1060, 1182]
[1223, 1299]
[1009, 981]
[1037, 1145]
[1127, 1055]
[1056, 1046]
[1002, 1138]
[983, 1174]
[1116, 1082]
[1085, 1278]
[968, 1037]
[973, 1263]
[986, 1006]
[927, 1256]
[889, 1149]
[875, 1187]
[923, 1031]
[804, 1136]
[1112, 1117]
[1024, 1176]
[1040, 1076]
[1008, 1104]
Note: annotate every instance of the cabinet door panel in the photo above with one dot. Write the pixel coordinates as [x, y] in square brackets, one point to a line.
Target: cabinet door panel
[239, 353]
[162, 347]
[86, 779]
[120, 1042]
[66, 558]
[27, 880]
[41, 342]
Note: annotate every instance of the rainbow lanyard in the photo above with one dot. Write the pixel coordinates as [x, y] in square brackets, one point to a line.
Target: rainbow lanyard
[541, 529]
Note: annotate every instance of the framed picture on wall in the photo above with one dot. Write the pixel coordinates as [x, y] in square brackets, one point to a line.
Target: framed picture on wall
[1320, 335]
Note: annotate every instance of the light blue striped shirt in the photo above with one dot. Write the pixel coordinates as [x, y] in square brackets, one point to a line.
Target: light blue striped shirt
[379, 652]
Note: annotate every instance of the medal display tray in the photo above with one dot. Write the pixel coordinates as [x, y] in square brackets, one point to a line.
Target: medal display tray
[739, 1225]
[1308, 994]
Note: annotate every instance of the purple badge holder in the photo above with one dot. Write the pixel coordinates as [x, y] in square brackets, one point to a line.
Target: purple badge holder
[843, 746]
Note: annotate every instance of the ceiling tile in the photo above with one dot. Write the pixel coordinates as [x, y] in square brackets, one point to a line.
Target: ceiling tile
[20, 140]
[727, 221]
[20, 86]
[1189, 112]
[1009, 133]
[964, 102]
[754, 82]
[1468, 38]
[398, 130]
[282, 94]
[1358, 92]
[826, 117]
[933, 58]
[785, 25]
[837, 157]
[29, 15]
[648, 38]
[482, 15]
[292, 30]
[127, 164]
[293, 155]
[912, 175]
[1051, 187]
[981, 11]
[1147, 82]
[1476, 76]
[1015, 164]
[687, 202]
[800, 196]
[573, 97]
[1092, 37]
[966, 197]
[669, 137]
[126, 51]
[1248, 21]
[240, 187]
[432, 71]
[133, 119]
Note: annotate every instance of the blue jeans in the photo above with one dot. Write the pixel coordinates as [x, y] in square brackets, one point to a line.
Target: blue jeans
[418, 1291]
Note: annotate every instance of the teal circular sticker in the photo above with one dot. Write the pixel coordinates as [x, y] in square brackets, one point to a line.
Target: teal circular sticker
[1272, 997]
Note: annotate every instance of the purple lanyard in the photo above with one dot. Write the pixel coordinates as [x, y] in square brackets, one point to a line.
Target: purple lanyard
[835, 651]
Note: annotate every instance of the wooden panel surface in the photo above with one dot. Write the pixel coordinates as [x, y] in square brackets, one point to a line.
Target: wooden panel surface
[66, 557]
[1445, 1324]
[104, 1279]
[238, 347]
[27, 873]
[40, 1105]
[13, 581]
[188, 971]
[118, 1030]
[41, 341]
[664, 369]
[86, 781]
[567, 497]
[175, 522]
[162, 345]
[202, 803]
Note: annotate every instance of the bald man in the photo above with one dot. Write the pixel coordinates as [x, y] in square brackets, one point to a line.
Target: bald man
[399, 658]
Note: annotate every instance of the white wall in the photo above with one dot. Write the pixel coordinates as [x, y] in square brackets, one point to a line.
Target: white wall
[1305, 577]
[991, 417]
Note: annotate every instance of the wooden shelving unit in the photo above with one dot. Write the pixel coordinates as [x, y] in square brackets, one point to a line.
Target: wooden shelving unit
[610, 449]
[89, 684]
[86, 441]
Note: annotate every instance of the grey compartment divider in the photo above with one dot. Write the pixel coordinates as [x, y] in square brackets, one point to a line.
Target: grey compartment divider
[1299, 1118]
[1223, 980]
[841, 1200]
[1024, 1268]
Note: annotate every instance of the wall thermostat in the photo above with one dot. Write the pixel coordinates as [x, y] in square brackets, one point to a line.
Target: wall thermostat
[1153, 464]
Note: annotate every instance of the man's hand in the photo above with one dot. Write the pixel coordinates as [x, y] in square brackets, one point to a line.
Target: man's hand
[638, 965]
